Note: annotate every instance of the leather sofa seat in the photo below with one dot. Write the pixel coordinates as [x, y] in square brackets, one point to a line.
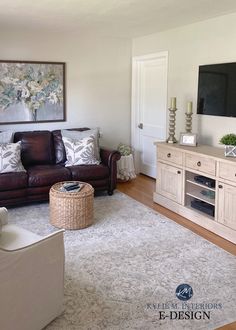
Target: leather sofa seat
[89, 172]
[45, 175]
[13, 181]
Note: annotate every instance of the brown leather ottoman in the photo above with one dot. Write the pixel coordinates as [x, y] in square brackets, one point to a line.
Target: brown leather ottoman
[71, 210]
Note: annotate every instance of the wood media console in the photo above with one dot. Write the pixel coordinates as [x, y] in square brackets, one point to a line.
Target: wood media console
[199, 183]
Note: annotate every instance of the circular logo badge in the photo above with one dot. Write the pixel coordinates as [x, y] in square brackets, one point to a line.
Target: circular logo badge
[184, 292]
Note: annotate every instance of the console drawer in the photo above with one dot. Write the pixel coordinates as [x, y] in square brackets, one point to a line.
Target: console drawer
[200, 163]
[227, 171]
[170, 155]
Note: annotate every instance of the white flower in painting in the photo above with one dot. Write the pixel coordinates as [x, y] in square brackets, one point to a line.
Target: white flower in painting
[8, 80]
[52, 98]
[25, 93]
[34, 86]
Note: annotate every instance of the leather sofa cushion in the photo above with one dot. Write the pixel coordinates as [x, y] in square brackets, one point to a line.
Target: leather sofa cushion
[14, 194]
[36, 147]
[47, 175]
[60, 153]
[13, 181]
[89, 172]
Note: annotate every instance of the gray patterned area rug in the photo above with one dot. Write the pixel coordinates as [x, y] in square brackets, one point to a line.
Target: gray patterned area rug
[123, 271]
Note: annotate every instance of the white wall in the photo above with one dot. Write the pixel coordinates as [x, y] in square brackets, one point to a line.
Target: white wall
[207, 42]
[97, 78]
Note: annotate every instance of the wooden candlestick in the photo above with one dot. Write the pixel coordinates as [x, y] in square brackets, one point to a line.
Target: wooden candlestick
[188, 126]
[172, 115]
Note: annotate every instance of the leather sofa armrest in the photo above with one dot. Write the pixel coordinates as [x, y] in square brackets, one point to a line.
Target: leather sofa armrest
[109, 158]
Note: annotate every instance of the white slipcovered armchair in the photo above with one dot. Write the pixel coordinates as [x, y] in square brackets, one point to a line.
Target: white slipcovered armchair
[31, 277]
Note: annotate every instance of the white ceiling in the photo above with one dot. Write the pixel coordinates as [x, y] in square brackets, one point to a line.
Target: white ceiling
[121, 18]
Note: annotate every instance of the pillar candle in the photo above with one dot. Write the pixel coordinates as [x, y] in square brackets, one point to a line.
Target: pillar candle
[189, 108]
[173, 102]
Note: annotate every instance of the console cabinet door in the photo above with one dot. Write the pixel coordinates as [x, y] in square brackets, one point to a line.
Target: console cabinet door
[227, 205]
[170, 182]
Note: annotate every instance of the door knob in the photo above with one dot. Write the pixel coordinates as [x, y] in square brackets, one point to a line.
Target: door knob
[140, 125]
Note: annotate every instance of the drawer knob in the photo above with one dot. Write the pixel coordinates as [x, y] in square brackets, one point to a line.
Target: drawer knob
[220, 186]
[178, 172]
[199, 164]
[169, 155]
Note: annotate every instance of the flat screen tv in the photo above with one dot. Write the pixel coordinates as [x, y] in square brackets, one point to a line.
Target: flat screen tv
[217, 90]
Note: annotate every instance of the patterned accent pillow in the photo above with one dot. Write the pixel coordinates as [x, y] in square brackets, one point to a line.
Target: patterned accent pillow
[10, 158]
[80, 152]
[77, 135]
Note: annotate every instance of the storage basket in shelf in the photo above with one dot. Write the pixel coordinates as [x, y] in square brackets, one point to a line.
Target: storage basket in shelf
[71, 210]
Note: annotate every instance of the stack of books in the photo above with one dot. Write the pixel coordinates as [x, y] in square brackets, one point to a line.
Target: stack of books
[71, 187]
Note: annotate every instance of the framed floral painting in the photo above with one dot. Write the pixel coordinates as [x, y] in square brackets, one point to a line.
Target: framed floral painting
[32, 92]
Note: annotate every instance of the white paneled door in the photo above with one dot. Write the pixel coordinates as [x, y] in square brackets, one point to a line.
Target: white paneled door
[149, 108]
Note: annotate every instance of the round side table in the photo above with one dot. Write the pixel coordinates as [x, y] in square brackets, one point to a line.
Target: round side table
[125, 168]
[71, 210]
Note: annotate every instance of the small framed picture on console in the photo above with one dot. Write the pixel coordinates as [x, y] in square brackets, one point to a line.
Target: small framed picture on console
[188, 139]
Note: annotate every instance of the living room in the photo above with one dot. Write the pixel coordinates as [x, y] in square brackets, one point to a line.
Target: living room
[97, 42]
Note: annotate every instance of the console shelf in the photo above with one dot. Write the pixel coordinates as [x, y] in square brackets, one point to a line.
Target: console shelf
[200, 185]
[197, 195]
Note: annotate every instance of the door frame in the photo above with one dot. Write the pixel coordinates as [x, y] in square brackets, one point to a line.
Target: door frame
[136, 97]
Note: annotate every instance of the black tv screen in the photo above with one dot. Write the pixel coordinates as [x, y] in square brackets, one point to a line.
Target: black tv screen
[217, 90]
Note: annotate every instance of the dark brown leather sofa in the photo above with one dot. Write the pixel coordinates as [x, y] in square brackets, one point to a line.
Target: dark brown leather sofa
[43, 156]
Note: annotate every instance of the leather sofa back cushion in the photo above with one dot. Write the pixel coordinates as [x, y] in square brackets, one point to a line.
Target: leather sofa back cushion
[36, 147]
[60, 153]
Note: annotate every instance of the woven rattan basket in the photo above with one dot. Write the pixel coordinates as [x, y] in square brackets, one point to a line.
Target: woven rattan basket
[71, 210]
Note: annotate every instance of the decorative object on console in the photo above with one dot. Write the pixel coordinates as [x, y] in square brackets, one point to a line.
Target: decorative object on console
[172, 115]
[188, 115]
[188, 139]
[229, 140]
[32, 91]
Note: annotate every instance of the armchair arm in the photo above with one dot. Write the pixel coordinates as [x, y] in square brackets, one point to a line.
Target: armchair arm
[32, 283]
[109, 158]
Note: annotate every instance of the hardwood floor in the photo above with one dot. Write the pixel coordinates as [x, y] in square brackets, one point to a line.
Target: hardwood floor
[142, 188]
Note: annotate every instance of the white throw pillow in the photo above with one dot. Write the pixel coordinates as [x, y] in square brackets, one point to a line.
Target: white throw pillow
[78, 135]
[6, 137]
[10, 158]
[80, 152]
